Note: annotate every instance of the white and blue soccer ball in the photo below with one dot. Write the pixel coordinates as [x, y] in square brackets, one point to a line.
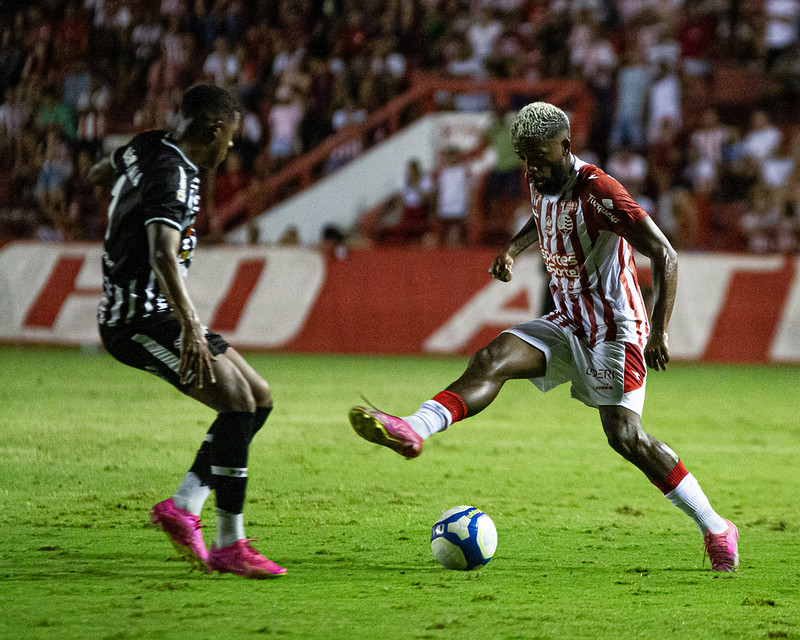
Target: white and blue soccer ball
[463, 538]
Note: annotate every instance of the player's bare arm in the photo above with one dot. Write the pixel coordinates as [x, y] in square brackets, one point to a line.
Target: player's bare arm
[648, 240]
[196, 357]
[501, 266]
[102, 173]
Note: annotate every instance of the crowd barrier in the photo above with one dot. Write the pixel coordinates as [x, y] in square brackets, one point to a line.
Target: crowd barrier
[729, 308]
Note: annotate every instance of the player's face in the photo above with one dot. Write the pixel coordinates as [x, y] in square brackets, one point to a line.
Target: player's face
[223, 140]
[546, 162]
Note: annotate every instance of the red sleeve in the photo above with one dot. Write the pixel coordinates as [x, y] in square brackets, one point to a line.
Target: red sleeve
[607, 205]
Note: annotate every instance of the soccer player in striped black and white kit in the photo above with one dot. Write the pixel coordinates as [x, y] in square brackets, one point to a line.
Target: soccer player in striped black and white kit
[599, 337]
[147, 320]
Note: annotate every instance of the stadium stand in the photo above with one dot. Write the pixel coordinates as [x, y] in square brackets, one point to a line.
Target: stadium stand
[320, 82]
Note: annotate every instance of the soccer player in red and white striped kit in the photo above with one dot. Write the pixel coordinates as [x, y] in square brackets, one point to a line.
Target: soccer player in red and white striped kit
[599, 336]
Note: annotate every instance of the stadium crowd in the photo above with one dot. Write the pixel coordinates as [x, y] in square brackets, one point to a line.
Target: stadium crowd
[694, 101]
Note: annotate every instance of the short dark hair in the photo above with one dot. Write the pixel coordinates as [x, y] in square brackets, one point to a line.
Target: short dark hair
[204, 104]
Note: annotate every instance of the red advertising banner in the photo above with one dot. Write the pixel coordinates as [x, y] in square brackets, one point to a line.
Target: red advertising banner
[396, 301]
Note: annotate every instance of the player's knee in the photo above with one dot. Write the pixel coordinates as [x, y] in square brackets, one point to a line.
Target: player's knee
[262, 395]
[625, 437]
[239, 396]
[482, 360]
[490, 360]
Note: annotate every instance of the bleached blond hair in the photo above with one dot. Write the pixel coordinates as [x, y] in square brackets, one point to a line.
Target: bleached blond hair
[539, 121]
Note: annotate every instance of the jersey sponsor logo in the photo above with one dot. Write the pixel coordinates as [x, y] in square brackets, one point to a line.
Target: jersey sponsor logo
[561, 266]
[605, 207]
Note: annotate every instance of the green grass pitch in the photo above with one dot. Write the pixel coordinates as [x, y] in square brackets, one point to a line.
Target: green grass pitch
[587, 547]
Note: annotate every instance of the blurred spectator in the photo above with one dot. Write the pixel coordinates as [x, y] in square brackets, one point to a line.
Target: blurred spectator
[285, 117]
[664, 101]
[452, 198]
[344, 120]
[56, 169]
[55, 114]
[83, 209]
[503, 181]
[482, 35]
[760, 223]
[760, 144]
[781, 29]
[629, 168]
[707, 147]
[697, 37]
[633, 90]
[406, 218]
[231, 180]
[221, 66]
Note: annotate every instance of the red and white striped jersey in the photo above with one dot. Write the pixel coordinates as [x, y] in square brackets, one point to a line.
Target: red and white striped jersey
[592, 272]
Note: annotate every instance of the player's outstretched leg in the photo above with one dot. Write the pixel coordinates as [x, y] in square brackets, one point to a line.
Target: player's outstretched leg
[390, 431]
[183, 529]
[505, 358]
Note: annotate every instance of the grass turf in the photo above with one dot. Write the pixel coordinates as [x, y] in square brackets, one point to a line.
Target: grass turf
[587, 547]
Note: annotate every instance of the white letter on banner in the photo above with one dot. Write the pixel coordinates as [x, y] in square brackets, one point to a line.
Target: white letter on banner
[488, 307]
[280, 302]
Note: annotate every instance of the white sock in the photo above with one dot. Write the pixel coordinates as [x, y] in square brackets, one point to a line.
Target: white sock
[230, 528]
[689, 498]
[430, 418]
[191, 495]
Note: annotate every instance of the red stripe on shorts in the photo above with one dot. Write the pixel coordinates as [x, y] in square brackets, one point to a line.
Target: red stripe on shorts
[635, 370]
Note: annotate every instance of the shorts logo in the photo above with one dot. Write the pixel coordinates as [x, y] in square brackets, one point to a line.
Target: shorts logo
[604, 377]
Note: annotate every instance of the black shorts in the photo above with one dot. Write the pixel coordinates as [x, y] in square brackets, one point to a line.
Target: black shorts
[153, 345]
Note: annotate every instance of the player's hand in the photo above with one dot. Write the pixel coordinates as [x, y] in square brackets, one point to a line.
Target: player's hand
[656, 351]
[196, 358]
[501, 267]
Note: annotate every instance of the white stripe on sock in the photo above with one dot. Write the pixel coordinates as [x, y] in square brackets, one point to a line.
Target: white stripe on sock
[232, 472]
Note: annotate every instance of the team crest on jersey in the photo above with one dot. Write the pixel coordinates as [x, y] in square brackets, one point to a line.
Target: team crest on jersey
[564, 222]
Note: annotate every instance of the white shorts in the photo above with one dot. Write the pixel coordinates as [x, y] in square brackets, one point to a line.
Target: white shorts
[611, 373]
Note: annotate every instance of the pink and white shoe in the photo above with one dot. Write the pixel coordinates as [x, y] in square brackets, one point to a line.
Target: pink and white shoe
[722, 548]
[390, 431]
[241, 559]
[183, 529]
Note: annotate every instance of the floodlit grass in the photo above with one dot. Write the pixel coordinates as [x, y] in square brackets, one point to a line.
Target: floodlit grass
[587, 547]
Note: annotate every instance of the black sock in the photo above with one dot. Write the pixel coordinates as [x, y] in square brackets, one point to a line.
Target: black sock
[201, 466]
[259, 418]
[228, 459]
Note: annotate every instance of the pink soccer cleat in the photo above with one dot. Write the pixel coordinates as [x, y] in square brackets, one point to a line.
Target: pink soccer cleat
[390, 431]
[722, 548]
[183, 529]
[240, 558]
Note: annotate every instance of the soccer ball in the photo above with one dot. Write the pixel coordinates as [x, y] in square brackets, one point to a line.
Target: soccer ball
[463, 538]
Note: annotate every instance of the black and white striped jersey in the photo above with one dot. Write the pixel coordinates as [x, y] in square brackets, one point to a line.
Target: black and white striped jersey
[155, 184]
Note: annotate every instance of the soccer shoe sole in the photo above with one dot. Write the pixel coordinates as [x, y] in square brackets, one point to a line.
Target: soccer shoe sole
[253, 576]
[372, 430]
[184, 551]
